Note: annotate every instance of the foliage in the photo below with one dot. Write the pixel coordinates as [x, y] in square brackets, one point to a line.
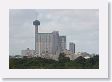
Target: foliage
[63, 59]
[63, 63]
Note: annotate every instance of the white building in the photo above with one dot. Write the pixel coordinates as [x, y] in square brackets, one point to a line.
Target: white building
[46, 43]
[83, 54]
[73, 56]
[28, 52]
[50, 45]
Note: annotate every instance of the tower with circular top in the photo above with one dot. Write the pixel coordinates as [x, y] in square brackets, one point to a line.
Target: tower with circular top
[36, 23]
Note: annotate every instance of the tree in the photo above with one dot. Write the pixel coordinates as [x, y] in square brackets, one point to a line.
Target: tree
[62, 58]
[63, 63]
[80, 60]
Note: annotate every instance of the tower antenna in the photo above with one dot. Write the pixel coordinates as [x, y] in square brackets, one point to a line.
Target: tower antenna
[36, 15]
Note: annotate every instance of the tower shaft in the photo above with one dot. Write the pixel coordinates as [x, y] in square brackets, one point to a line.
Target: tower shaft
[36, 23]
[36, 35]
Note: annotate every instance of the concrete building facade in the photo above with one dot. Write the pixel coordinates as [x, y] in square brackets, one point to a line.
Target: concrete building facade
[50, 45]
[72, 47]
[63, 43]
[46, 42]
[28, 52]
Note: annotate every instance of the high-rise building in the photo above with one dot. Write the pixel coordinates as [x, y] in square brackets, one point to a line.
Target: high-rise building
[72, 47]
[48, 45]
[63, 43]
[56, 43]
[46, 42]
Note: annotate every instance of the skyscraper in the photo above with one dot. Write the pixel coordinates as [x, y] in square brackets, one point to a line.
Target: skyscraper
[46, 42]
[63, 43]
[72, 47]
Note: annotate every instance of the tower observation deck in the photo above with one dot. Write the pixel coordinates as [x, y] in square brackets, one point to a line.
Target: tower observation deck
[36, 23]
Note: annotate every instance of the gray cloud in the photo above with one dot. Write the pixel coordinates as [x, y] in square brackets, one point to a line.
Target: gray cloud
[81, 26]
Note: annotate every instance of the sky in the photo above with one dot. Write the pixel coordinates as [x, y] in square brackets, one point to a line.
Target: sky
[80, 26]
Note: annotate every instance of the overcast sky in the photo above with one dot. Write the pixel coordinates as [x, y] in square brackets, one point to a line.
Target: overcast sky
[80, 26]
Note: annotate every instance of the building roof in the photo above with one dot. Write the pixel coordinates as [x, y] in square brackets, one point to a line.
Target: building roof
[44, 33]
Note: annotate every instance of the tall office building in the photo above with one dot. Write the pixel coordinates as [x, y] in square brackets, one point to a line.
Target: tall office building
[46, 42]
[72, 47]
[63, 43]
[56, 43]
[48, 45]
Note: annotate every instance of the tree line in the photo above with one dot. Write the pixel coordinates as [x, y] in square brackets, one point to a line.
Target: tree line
[62, 63]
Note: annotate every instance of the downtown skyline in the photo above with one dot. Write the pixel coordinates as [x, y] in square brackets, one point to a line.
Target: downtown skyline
[80, 26]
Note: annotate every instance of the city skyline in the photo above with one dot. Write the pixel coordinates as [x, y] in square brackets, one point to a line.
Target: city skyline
[79, 25]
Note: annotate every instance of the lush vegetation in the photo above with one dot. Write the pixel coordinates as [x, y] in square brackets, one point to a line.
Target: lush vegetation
[63, 63]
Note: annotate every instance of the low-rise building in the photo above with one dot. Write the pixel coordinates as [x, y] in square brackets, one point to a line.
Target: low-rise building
[73, 56]
[28, 52]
